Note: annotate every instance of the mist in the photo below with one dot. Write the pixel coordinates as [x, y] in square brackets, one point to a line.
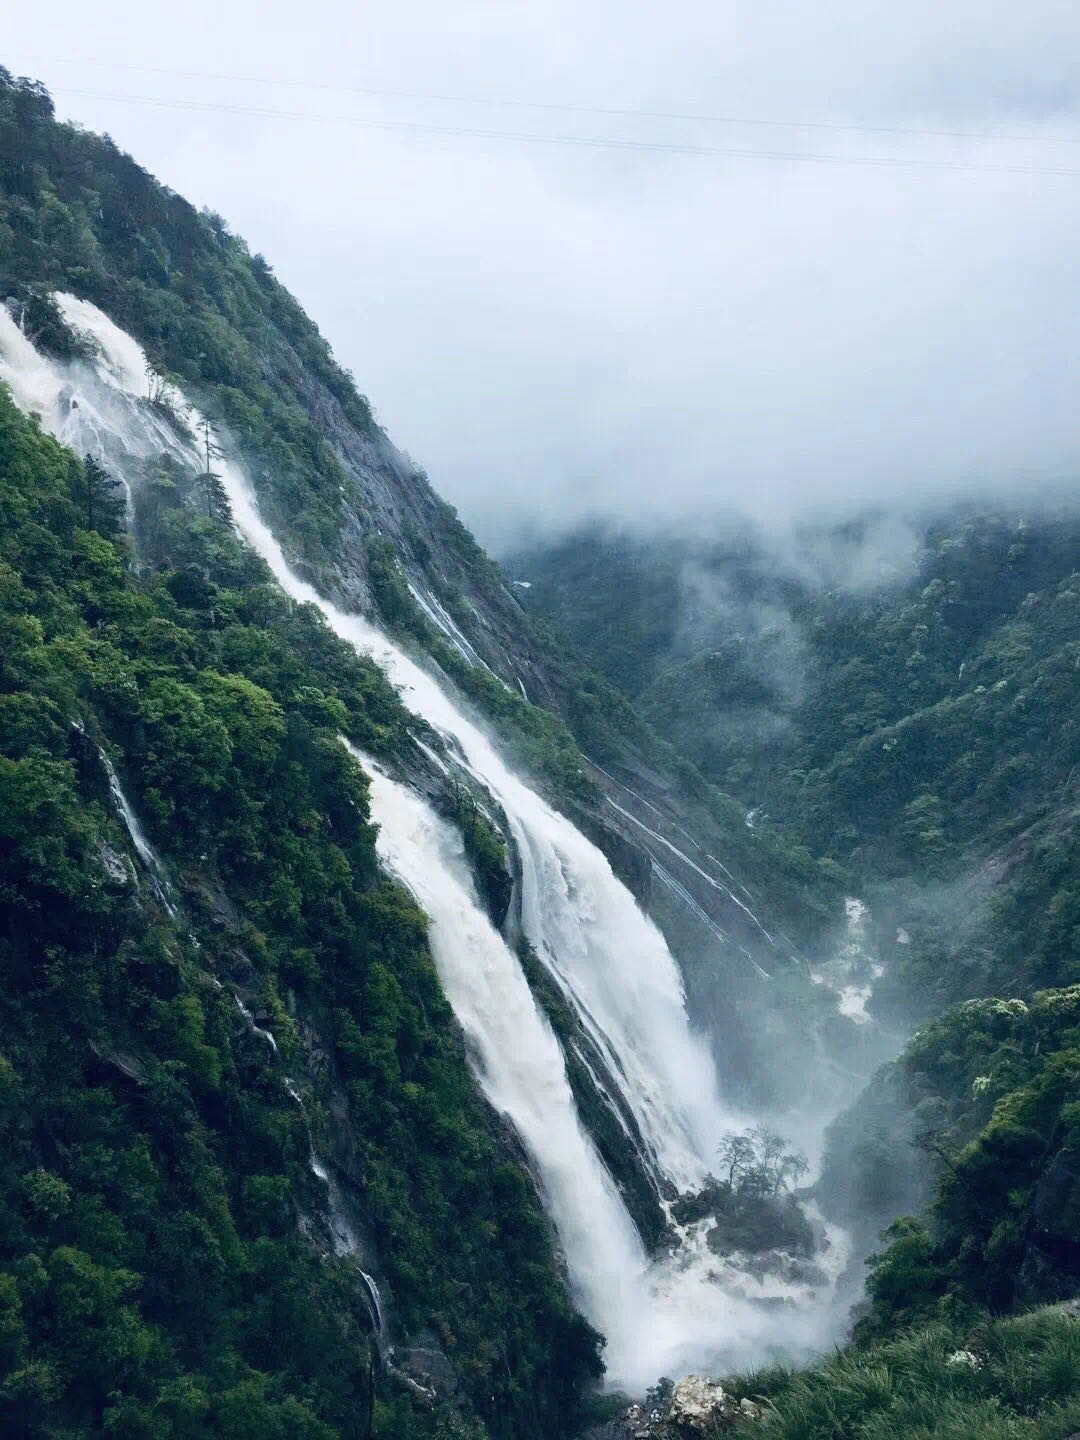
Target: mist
[560, 332]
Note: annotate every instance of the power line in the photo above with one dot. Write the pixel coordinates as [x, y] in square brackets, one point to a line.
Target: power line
[696, 117]
[585, 141]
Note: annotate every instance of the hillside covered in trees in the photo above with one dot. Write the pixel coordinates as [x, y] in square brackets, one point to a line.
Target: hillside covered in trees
[167, 1253]
[917, 724]
[223, 1042]
[919, 728]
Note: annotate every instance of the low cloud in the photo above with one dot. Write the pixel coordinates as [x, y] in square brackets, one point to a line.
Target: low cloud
[559, 332]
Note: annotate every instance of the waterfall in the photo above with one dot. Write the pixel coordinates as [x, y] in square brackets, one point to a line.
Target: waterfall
[692, 1309]
[343, 1236]
[143, 848]
[519, 1063]
[94, 408]
[608, 958]
[255, 1028]
[693, 865]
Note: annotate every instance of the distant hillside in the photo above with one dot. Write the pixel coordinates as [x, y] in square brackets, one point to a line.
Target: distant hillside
[920, 731]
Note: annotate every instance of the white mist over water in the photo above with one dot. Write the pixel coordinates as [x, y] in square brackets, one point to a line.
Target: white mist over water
[94, 408]
[853, 971]
[694, 1309]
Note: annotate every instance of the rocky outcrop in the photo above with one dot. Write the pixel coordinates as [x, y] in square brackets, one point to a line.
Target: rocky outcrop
[114, 867]
[126, 1065]
[423, 1367]
[701, 1405]
[697, 1406]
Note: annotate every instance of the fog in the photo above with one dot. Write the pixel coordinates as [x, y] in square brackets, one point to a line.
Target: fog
[827, 318]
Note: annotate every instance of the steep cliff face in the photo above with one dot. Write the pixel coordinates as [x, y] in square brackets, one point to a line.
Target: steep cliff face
[361, 521]
[231, 1082]
[737, 907]
[221, 649]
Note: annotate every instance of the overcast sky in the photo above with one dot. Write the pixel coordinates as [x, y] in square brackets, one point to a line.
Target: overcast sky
[559, 330]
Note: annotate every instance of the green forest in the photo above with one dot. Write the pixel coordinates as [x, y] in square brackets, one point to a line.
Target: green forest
[157, 1273]
[154, 1276]
[920, 731]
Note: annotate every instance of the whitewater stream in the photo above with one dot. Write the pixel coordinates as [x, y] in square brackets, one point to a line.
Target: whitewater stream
[691, 1310]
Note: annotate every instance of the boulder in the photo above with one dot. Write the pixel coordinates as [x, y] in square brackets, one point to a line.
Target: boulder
[699, 1405]
[127, 1065]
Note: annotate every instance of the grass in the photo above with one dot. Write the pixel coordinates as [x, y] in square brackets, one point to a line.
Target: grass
[1026, 1385]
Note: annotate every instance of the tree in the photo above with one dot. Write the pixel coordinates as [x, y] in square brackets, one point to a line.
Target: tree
[104, 498]
[737, 1153]
[217, 502]
[793, 1165]
[905, 1279]
[157, 384]
[759, 1161]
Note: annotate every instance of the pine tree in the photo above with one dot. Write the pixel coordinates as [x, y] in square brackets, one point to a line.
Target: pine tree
[217, 502]
[104, 498]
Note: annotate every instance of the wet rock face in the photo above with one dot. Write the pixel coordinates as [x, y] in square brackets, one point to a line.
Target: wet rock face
[426, 1363]
[630, 861]
[1055, 1208]
[115, 869]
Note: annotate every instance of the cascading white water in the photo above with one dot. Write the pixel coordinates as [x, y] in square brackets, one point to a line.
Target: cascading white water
[607, 956]
[255, 1028]
[519, 1064]
[610, 960]
[854, 970]
[143, 848]
[656, 1317]
[343, 1237]
[92, 407]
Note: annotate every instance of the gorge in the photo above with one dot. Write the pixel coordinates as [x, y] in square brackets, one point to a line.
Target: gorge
[401, 1035]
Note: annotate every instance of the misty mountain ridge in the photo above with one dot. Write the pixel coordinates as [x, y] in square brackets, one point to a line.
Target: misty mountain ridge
[409, 1013]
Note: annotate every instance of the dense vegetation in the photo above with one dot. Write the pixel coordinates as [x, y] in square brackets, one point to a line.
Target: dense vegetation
[951, 1342]
[154, 1277]
[917, 732]
[992, 1092]
[971, 1379]
[78, 214]
[920, 729]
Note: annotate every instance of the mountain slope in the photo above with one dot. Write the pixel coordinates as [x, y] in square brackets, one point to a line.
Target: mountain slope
[929, 745]
[173, 656]
[280, 1098]
[920, 730]
[157, 1162]
[359, 519]
[169, 1249]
